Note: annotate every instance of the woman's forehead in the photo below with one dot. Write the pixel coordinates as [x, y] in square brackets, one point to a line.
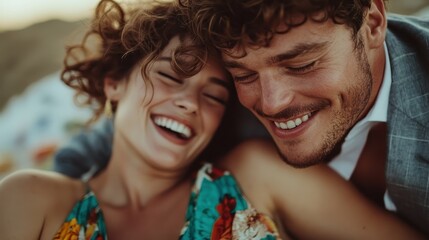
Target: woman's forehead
[175, 42]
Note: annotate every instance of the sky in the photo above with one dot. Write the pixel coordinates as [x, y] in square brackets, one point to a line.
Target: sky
[18, 14]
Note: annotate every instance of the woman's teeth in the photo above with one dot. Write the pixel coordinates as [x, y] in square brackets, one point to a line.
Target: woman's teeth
[173, 126]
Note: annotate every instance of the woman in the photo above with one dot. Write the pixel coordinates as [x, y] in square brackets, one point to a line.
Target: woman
[169, 94]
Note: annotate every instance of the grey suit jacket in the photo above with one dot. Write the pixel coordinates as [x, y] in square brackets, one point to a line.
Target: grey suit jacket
[407, 172]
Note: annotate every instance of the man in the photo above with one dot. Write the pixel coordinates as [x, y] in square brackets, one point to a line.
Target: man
[335, 82]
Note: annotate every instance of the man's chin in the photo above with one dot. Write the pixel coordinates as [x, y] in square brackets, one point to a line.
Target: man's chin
[299, 163]
[311, 159]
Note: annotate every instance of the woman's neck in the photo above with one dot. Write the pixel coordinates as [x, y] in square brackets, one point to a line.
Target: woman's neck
[130, 182]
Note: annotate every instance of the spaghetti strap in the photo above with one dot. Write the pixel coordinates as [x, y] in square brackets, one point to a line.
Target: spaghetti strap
[87, 176]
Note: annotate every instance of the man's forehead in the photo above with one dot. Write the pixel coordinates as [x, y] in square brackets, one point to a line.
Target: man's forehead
[308, 38]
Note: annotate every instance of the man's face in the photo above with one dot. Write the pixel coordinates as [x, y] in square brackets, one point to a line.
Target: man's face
[308, 88]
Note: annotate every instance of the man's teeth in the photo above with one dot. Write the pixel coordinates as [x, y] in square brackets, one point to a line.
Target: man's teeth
[291, 124]
[174, 126]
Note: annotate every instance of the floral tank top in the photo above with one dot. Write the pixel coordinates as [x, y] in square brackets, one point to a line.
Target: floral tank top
[217, 210]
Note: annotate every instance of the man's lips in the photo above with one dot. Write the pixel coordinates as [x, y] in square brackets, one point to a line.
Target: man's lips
[288, 128]
[292, 123]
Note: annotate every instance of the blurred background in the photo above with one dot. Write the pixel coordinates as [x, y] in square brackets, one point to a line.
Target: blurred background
[37, 113]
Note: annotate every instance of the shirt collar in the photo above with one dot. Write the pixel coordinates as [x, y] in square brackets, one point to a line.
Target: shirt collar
[378, 112]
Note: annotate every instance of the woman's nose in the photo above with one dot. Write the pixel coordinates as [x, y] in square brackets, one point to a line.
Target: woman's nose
[188, 102]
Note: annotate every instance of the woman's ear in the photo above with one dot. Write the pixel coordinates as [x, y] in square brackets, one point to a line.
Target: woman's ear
[376, 24]
[114, 89]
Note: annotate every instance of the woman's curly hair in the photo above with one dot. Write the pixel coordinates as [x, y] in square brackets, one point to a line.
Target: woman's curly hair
[230, 23]
[121, 37]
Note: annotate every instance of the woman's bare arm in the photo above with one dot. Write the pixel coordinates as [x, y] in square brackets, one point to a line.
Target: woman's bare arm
[33, 204]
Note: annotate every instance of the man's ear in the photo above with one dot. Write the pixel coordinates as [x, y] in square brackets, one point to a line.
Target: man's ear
[114, 89]
[375, 24]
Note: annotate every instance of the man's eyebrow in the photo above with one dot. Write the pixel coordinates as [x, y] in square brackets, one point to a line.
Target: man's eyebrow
[299, 49]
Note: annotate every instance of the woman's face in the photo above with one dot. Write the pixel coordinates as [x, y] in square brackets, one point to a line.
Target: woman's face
[170, 127]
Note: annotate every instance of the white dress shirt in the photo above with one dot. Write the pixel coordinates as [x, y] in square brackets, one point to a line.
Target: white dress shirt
[346, 161]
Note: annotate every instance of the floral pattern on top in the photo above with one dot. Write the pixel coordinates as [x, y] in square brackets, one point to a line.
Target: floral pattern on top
[217, 211]
[85, 221]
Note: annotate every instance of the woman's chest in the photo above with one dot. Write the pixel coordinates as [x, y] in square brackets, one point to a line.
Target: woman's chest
[161, 220]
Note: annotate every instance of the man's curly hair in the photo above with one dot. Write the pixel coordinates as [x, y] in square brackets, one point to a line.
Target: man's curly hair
[230, 23]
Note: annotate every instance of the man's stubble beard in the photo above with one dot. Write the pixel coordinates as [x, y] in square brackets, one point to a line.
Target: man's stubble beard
[345, 120]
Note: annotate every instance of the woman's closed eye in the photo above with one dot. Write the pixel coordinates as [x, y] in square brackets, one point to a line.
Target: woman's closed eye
[171, 78]
[217, 99]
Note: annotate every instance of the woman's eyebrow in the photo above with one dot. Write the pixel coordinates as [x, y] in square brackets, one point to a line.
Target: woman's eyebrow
[220, 82]
[168, 59]
[214, 80]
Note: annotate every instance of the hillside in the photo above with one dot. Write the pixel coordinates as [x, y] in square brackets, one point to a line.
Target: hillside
[28, 55]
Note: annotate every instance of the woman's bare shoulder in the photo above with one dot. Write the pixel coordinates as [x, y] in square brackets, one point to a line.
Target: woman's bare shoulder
[40, 181]
[32, 198]
[252, 163]
[257, 166]
[251, 156]
[43, 187]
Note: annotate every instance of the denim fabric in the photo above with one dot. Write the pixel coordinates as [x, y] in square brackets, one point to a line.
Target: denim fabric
[89, 149]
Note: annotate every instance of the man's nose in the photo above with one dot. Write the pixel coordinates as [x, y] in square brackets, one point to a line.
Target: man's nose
[276, 94]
